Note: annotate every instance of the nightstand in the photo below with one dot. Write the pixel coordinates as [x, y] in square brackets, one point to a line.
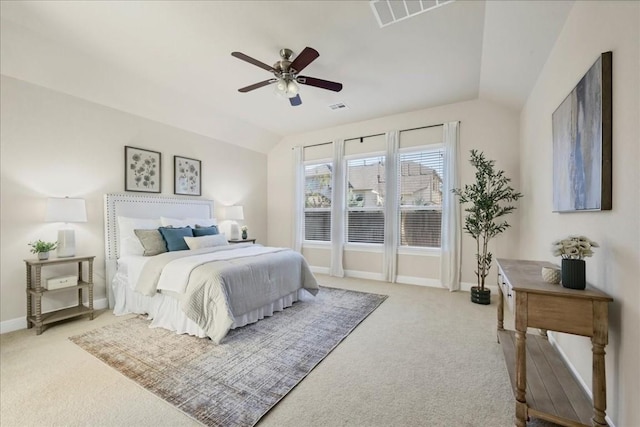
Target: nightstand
[242, 241]
[35, 292]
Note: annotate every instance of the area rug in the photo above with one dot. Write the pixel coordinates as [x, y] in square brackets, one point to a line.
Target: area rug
[237, 382]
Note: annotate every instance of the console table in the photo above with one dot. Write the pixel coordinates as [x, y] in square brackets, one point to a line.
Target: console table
[543, 385]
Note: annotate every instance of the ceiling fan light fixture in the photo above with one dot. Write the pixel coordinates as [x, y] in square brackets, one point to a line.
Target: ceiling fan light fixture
[292, 88]
[286, 87]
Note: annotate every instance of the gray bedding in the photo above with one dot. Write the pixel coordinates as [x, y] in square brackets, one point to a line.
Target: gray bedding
[238, 281]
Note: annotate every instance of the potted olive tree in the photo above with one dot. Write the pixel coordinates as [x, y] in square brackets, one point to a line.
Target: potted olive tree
[487, 200]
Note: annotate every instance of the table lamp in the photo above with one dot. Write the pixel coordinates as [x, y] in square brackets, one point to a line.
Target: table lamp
[233, 214]
[66, 210]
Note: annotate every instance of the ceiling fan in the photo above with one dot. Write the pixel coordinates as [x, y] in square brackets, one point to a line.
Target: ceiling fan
[286, 75]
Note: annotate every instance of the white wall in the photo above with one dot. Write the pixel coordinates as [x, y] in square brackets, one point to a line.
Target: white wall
[56, 145]
[593, 28]
[484, 126]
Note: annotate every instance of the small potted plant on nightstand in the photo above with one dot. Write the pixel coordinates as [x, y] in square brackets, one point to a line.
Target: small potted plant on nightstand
[489, 199]
[42, 248]
[244, 229]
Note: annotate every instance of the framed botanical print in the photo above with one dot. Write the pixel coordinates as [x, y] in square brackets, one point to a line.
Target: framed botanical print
[142, 170]
[187, 176]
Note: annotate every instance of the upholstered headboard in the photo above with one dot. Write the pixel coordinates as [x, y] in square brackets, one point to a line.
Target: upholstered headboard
[143, 206]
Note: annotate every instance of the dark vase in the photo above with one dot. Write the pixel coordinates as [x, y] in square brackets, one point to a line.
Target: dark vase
[244, 234]
[573, 273]
[480, 296]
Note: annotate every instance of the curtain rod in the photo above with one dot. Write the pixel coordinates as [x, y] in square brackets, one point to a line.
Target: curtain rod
[370, 136]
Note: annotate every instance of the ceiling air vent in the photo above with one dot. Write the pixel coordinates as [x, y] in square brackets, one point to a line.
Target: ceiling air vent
[338, 106]
[389, 12]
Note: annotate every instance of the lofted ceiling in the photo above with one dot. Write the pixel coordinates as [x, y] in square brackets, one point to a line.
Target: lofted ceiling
[170, 61]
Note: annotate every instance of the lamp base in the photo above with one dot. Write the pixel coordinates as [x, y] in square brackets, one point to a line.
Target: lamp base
[66, 243]
[234, 231]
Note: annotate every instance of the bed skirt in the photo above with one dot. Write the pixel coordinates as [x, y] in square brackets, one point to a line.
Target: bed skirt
[165, 312]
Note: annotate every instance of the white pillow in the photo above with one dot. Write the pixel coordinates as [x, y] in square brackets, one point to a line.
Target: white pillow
[202, 222]
[129, 242]
[206, 241]
[191, 222]
[174, 222]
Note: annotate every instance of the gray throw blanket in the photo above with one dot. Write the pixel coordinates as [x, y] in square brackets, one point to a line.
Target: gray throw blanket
[220, 290]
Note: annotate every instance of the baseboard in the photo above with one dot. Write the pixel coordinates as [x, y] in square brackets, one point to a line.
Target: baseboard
[405, 280]
[419, 281]
[21, 322]
[364, 275]
[466, 286]
[319, 270]
[574, 371]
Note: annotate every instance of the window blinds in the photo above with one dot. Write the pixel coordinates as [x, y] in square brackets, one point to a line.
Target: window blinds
[317, 202]
[365, 200]
[420, 190]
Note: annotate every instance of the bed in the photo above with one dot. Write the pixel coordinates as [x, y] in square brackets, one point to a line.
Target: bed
[204, 291]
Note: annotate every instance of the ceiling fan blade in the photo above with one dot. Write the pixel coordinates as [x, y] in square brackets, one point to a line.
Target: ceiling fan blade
[257, 85]
[306, 57]
[250, 60]
[323, 84]
[295, 101]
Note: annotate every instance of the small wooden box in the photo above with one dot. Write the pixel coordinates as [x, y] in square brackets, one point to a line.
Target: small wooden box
[60, 282]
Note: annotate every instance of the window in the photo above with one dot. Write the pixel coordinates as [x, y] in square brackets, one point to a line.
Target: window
[317, 202]
[365, 200]
[420, 190]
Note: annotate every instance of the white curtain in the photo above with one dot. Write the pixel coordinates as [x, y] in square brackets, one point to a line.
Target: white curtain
[451, 237]
[298, 198]
[391, 226]
[338, 179]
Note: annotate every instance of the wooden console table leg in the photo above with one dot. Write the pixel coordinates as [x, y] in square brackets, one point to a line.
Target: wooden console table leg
[599, 341]
[500, 309]
[521, 359]
[521, 379]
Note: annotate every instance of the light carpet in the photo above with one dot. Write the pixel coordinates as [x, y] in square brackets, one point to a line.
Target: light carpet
[237, 382]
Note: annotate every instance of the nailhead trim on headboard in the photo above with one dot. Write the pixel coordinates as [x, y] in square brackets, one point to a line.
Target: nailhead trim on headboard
[115, 202]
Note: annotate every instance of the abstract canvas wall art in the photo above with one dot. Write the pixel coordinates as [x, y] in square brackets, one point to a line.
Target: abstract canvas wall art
[582, 143]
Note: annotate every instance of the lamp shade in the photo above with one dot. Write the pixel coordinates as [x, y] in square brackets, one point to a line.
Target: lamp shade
[66, 210]
[234, 213]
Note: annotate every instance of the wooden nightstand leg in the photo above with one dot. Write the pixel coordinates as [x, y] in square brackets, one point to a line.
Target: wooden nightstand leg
[90, 281]
[38, 314]
[38, 300]
[91, 301]
[29, 308]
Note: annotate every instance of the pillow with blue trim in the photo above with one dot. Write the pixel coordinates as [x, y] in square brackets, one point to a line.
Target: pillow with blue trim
[205, 231]
[174, 237]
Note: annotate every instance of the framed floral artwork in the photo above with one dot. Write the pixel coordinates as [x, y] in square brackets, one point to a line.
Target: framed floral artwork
[187, 176]
[142, 170]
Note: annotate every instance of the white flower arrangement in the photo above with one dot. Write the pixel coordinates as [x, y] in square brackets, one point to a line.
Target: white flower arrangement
[244, 228]
[574, 247]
